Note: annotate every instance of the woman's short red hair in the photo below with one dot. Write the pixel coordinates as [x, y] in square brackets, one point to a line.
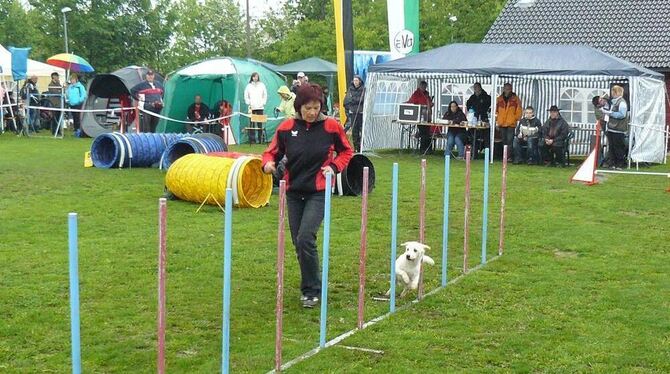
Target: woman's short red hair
[306, 93]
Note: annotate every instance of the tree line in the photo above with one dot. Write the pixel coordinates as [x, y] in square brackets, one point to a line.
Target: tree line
[169, 34]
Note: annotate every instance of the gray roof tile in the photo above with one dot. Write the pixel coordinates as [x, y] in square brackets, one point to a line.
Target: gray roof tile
[635, 30]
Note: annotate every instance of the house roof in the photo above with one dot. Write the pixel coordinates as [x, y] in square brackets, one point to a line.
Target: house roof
[514, 59]
[634, 30]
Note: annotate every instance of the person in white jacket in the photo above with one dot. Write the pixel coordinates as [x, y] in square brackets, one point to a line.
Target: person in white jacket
[255, 96]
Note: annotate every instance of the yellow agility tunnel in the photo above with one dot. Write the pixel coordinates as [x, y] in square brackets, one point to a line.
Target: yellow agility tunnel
[200, 178]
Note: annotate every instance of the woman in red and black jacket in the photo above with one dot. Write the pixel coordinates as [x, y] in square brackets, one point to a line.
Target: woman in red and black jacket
[309, 141]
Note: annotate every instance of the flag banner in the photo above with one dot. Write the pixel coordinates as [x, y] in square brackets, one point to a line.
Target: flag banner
[19, 62]
[403, 20]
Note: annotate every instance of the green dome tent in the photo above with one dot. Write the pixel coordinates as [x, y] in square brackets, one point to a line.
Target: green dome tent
[221, 78]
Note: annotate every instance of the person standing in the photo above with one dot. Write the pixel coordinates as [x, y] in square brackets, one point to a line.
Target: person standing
[256, 96]
[552, 142]
[353, 104]
[76, 96]
[149, 93]
[508, 113]
[301, 79]
[55, 90]
[617, 127]
[480, 102]
[421, 96]
[30, 92]
[313, 145]
[527, 133]
[286, 104]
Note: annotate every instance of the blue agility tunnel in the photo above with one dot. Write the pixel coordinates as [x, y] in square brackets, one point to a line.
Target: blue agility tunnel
[199, 143]
[116, 150]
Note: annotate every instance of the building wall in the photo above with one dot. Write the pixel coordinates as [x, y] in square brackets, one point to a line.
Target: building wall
[667, 103]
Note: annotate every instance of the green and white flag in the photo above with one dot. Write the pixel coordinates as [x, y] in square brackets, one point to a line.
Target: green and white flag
[403, 16]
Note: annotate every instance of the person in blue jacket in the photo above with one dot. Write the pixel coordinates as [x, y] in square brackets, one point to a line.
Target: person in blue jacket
[76, 96]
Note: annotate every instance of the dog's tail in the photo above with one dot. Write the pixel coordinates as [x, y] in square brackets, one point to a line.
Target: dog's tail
[427, 260]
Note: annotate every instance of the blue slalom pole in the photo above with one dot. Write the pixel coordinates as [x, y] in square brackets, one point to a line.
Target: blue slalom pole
[227, 259]
[445, 219]
[74, 294]
[394, 233]
[485, 212]
[326, 259]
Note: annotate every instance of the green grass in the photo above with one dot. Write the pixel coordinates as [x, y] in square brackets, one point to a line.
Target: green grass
[583, 286]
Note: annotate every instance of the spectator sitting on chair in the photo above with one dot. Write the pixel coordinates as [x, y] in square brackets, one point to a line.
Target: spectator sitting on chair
[552, 138]
[480, 101]
[223, 112]
[197, 112]
[422, 97]
[456, 134]
[527, 132]
[508, 113]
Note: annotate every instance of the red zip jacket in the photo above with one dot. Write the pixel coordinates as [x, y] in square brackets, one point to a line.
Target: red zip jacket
[308, 147]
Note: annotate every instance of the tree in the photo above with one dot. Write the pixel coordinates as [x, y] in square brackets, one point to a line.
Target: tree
[16, 26]
[207, 29]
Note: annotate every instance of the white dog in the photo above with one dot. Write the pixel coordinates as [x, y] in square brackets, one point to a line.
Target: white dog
[408, 265]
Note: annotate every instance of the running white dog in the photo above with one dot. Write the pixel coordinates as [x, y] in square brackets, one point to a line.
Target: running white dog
[408, 265]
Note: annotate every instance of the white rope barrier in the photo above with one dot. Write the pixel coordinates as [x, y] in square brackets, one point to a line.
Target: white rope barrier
[112, 111]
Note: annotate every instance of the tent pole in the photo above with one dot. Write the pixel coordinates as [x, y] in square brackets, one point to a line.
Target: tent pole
[330, 94]
[494, 102]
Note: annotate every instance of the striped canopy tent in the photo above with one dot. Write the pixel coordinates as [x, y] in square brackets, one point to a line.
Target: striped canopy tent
[541, 75]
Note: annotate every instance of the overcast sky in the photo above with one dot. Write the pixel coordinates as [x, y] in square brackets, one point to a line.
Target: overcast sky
[258, 7]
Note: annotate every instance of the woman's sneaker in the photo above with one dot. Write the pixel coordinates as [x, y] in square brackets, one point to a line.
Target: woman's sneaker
[309, 301]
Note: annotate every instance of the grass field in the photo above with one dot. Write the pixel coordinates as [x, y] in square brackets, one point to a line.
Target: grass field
[584, 284]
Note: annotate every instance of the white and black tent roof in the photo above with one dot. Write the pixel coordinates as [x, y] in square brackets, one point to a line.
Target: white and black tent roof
[515, 59]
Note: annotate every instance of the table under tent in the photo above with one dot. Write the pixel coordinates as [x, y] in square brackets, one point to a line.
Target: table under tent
[542, 75]
[111, 91]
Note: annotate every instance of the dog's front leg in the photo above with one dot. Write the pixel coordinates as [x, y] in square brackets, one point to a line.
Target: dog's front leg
[404, 276]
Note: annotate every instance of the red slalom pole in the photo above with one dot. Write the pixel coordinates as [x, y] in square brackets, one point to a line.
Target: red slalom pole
[364, 246]
[503, 199]
[466, 224]
[422, 223]
[162, 264]
[279, 310]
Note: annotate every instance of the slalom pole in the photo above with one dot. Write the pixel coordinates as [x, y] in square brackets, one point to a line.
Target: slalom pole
[227, 258]
[74, 293]
[326, 258]
[279, 310]
[485, 210]
[137, 119]
[162, 264]
[466, 215]
[503, 199]
[394, 234]
[422, 223]
[363, 251]
[445, 220]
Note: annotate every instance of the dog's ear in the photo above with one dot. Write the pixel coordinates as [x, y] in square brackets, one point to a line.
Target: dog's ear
[425, 247]
[404, 244]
